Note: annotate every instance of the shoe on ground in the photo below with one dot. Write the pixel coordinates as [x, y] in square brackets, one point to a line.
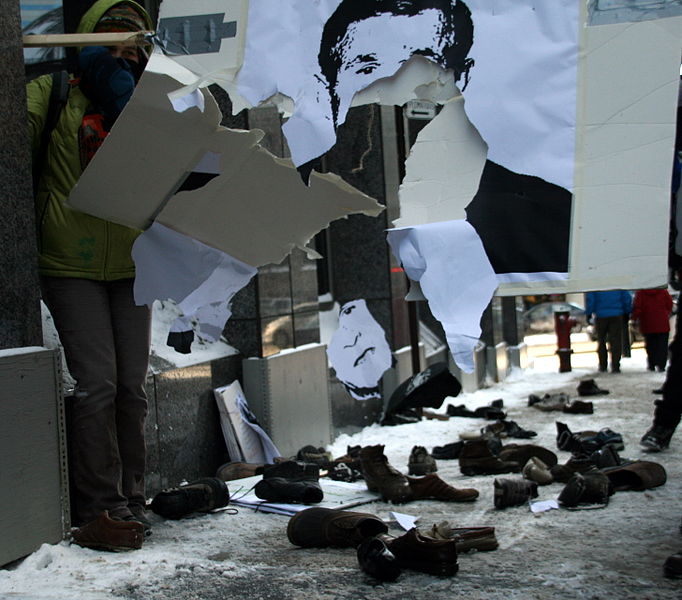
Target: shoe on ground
[315, 456]
[513, 492]
[578, 407]
[657, 391]
[140, 514]
[432, 487]
[290, 481]
[421, 462]
[672, 567]
[591, 489]
[238, 470]
[447, 452]
[319, 527]
[105, 533]
[637, 475]
[481, 539]
[537, 471]
[507, 429]
[377, 560]
[589, 387]
[383, 478]
[578, 463]
[548, 402]
[521, 454]
[202, 495]
[656, 439]
[412, 551]
[476, 458]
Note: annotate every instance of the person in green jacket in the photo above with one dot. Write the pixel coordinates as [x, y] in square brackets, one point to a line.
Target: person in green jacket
[86, 276]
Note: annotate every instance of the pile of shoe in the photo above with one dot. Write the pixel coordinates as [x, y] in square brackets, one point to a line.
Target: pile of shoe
[548, 402]
[560, 402]
[491, 412]
[347, 467]
[381, 477]
[380, 554]
[500, 429]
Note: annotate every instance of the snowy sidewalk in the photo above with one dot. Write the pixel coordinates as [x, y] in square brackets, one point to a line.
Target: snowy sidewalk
[616, 552]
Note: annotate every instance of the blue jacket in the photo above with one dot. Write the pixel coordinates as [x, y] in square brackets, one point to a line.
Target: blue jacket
[608, 304]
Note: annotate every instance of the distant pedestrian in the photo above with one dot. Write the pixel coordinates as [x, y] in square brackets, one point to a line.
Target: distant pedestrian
[652, 309]
[608, 309]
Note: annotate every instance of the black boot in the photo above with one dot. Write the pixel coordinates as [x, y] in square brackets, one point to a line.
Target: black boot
[290, 481]
[202, 495]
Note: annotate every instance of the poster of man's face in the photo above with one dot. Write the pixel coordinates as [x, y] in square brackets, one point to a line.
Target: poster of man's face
[358, 351]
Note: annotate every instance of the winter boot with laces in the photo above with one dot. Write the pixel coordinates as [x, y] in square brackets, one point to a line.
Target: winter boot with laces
[381, 477]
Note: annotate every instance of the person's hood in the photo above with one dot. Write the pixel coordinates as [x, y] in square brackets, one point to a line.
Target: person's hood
[97, 10]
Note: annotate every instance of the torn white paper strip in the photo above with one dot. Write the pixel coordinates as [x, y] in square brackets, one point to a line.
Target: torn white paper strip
[457, 290]
[358, 351]
[407, 522]
[170, 265]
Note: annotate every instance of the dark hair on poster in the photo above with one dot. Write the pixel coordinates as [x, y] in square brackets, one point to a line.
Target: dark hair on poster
[455, 35]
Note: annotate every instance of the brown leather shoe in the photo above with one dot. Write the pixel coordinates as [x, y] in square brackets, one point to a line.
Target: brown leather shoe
[238, 470]
[320, 527]
[433, 487]
[421, 553]
[476, 458]
[381, 477]
[521, 453]
[481, 539]
[105, 533]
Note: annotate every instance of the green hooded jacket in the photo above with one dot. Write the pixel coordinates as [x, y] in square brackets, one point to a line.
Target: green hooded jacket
[72, 243]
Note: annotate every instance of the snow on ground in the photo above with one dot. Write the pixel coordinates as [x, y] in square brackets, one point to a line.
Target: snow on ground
[614, 552]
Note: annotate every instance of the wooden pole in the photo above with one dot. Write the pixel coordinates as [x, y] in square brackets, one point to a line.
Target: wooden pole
[125, 38]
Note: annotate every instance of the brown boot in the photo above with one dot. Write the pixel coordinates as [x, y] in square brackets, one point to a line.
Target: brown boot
[433, 487]
[513, 492]
[320, 527]
[381, 477]
[476, 458]
[105, 533]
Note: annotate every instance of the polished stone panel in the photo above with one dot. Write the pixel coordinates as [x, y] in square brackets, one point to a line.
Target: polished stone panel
[268, 120]
[244, 335]
[20, 322]
[277, 334]
[306, 328]
[512, 322]
[348, 414]
[190, 441]
[274, 290]
[304, 293]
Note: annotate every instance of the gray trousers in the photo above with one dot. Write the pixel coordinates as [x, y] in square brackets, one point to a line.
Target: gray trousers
[609, 329]
[106, 345]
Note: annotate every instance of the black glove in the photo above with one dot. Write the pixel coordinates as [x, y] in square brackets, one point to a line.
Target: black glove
[106, 80]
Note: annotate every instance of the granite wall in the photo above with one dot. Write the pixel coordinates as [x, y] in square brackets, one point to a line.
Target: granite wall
[19, 306]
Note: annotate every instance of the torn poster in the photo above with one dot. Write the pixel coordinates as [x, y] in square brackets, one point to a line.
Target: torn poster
[606, 12]
[219, 205]
[358, 351]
